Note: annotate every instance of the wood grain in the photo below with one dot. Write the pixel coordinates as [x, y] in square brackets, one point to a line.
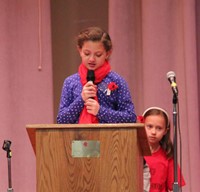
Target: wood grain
[118, 169]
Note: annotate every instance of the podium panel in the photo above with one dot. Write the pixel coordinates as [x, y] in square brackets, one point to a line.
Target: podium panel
[105, 158]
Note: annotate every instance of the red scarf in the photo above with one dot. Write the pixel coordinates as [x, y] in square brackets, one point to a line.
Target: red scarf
[100, 74]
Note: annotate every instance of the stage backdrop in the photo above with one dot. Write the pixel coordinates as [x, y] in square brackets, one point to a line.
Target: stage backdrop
[26, 94]
[150, 38]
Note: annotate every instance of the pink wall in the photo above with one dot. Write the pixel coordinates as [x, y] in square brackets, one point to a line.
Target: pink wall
[26, 93]
[150, 39]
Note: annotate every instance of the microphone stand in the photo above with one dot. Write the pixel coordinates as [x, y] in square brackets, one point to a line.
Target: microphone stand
[175, 185]
[6, 147]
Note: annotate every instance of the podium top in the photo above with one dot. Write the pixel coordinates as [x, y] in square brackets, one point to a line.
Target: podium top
[86, 126]
[142, 137]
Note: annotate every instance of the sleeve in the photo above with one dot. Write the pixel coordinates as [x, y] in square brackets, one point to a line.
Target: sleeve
[70, 107]
[170, 178]
[124, 111]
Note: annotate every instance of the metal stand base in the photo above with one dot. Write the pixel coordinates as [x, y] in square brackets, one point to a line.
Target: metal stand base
[10, 190]
[175, 187]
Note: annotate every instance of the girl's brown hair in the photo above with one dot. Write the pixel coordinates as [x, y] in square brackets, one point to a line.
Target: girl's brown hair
[165, 142]
[94, 34]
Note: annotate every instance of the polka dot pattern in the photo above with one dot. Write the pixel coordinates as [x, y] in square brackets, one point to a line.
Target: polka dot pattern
[114, 108]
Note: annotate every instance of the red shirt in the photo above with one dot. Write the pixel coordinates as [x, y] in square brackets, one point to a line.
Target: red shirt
[162, 172]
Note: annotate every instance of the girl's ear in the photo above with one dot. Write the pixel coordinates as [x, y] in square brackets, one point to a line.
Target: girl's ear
[108, 54]
[79, 50]
[167, 129]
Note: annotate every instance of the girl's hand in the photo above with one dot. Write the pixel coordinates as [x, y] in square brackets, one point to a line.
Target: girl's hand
[89, 91]
[92, 106]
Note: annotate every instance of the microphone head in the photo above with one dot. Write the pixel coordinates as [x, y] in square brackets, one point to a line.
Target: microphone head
[90, 75]
[171, 74]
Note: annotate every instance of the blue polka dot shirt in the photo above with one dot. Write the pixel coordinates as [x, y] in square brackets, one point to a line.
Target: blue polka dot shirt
[114, 108]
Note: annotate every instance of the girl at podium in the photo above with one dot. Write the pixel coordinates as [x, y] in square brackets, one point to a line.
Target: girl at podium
[161, 162]
[95, 94]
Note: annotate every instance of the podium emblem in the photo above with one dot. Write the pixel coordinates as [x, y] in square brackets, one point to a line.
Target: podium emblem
[85, 148]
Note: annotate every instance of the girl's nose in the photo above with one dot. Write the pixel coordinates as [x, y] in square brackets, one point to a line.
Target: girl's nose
[91, 58]
[153, 131]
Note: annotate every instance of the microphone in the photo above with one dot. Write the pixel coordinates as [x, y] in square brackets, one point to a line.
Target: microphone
[171, 76]
[90, 75]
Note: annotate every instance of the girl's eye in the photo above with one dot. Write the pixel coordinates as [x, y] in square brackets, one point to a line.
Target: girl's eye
[148, 126]
[99, 55]
[86, 54]
[159, 128]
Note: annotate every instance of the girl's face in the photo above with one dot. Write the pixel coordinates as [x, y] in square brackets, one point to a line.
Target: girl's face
[93, 54]
[155, 126]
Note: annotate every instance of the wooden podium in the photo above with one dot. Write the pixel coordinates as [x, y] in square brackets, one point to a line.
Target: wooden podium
[89, 157]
